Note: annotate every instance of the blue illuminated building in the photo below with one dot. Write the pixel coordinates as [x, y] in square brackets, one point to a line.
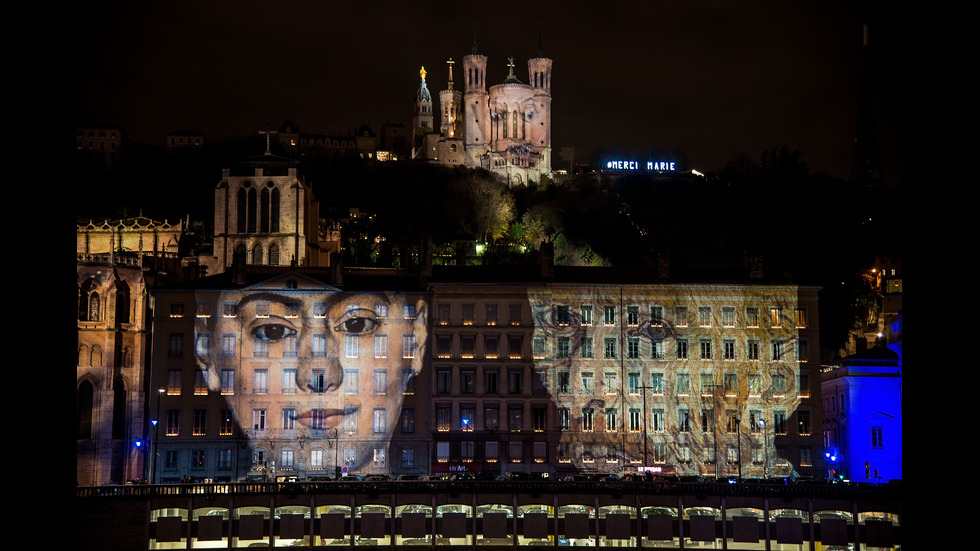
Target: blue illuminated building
[862, 421]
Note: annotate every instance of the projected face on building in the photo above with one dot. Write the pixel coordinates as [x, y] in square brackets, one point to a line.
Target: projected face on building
[315, 379]
[676, 378]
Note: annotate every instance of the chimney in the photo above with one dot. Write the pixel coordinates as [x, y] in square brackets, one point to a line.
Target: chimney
[238, 267]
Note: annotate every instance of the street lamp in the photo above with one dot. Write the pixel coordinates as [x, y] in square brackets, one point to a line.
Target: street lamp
[156, 437]
[765, 449]
[738, 436]
[336, 449]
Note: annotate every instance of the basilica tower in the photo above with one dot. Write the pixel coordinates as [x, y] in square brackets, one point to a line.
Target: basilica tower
[539, 127]
[422, 121]
[477, 111]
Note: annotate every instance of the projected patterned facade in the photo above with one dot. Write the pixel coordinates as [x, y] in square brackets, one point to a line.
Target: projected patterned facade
[558, 378]
[277, 373]
[682, 379]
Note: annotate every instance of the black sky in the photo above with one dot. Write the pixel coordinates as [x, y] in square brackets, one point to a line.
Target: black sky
[713, 79]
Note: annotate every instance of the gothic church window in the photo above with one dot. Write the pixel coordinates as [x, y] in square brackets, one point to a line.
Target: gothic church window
[274, 221]
[85, 401]
[122, 303]
[88, 302]
[257, 255]
[273, 255]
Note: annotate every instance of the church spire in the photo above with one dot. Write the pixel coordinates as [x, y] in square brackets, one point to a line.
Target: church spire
[423, 95]
[450, 63]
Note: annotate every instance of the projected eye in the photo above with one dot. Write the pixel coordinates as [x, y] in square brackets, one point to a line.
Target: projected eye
[360, 320]
[272, 332]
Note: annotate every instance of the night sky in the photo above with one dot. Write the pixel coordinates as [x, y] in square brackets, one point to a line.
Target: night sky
[712, 79]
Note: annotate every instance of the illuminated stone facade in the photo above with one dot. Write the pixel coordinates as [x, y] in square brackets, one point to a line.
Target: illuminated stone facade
[132, 235]
[265, 210]
[112, 347]
[505, 128]
[862, 417]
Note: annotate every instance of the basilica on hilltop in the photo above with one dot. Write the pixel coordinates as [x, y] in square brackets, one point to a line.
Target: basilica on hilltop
[505, 128]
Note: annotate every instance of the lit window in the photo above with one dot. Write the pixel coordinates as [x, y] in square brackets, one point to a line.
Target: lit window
[443, 419]
[173, 382]
[204, 309]
[775, 317]
[176, 309]
[200, 383]
[408, 346]
[515, 418]
[801, 318]
[490, 314]
[227, 382]
[200, 422]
